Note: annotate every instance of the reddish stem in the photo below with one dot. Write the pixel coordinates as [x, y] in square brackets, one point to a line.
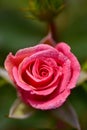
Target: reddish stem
[52, 29]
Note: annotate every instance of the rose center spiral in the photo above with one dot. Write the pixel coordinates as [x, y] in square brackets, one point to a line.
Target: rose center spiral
[43, 72]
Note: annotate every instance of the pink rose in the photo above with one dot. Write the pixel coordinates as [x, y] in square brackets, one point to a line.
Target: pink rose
[43, 75]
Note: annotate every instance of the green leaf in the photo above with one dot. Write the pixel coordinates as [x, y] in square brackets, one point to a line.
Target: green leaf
[67, 114]
[20, 111]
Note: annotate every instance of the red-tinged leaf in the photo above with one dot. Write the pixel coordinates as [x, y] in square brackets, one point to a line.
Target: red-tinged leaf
[48, 40]
[67, 114]
[20, 111]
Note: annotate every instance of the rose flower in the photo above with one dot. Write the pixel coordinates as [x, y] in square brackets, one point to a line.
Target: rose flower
[43, 75]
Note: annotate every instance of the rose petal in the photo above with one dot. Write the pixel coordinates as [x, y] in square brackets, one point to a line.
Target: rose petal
[12, 60]
[63, 47]
[75, 66]
[19, 82]
[39, 84]
[32, 50]
[49, 104]
[29, 78]
[9, 63]
[44, 92]
[66, 75]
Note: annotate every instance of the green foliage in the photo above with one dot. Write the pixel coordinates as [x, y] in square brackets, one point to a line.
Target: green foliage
[45, 10]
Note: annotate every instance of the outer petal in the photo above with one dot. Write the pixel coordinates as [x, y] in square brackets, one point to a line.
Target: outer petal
[19, 82]
[26, 52]
[66, 75]
[42, 102]
[75, 66]
[9, 63]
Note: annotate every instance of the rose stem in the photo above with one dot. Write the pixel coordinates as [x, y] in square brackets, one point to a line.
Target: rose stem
[52, 30]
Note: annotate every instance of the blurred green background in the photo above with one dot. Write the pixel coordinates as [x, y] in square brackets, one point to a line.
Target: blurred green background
[17, 31]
